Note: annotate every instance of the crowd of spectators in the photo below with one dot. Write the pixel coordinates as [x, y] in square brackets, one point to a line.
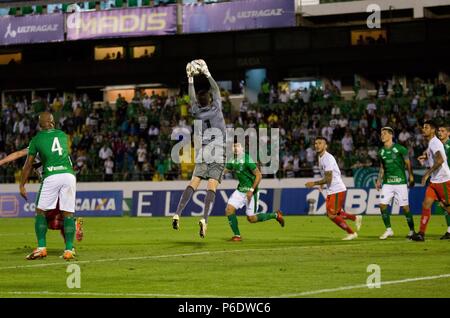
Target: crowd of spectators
[131, 141]
[68, 7]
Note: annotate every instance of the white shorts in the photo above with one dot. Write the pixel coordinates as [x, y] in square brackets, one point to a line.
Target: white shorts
[239, 199]
[58, 186]
[397, 191]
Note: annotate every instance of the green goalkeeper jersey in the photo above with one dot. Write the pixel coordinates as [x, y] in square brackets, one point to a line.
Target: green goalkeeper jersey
[243, 167]
[393, 162]
[53, 149]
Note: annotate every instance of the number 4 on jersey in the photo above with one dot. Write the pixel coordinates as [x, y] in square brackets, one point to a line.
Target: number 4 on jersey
[56, 146]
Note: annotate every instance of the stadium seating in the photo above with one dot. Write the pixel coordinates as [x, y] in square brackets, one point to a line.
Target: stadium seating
[124, 128]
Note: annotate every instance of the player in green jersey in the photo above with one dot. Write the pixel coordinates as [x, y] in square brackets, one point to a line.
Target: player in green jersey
[393, 182]
[246, 193]
[444, 136]
[55, 218]
[58, 183]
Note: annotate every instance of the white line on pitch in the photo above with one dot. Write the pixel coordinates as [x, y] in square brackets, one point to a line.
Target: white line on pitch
[43, 293]
[392, 282]
[308, 293]
[149, 257]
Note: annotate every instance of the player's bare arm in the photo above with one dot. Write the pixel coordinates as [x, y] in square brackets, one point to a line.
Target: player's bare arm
[258, 177]
[326, 180]
[422, 158]
[14, 156]
[410, 173]
[438, 161]
[25, 174]
[379, 178]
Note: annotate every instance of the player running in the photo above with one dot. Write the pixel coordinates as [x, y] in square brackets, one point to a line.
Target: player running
[246, 193]
[392, 181]
[58, 183]
[443, 135]
[55, 218]
[331, 176]
[438, 169]
[210, 113]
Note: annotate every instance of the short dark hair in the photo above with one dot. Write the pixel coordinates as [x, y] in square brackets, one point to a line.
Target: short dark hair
[443, 123]
[322, 138]
[389, 129]
[431, 123]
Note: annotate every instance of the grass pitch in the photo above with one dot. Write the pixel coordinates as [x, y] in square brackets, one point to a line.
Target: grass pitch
[145, 257]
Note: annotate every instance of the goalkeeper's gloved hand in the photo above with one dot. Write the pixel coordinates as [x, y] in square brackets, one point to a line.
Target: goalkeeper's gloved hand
[190, 72]
[203, 68]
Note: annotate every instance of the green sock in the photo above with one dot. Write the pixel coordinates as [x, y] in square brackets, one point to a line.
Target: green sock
[447, 218]
[69, 231]
[410, 220]
[232, 220]
[40, 227]
[266, 216]
[386, 217]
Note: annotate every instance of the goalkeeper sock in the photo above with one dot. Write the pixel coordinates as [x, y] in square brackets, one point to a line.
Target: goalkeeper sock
[209, 203]
[232, 220]
[386, 217]
[186, 196]
[409, 220]
[261, 217]
[40, 227]
[69, 231]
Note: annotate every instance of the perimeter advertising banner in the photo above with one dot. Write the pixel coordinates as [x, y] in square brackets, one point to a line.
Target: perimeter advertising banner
[31, 29]
[238, 15]
[163, 203]
[122, 23]
[88, 203]
[292, 201]
[357, 201]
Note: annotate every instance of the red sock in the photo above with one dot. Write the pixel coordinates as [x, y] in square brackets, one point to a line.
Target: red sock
[346, 215]
[426, 215]
[342, 224]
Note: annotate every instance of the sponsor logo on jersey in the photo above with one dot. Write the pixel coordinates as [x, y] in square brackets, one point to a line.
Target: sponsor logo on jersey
[57, 168]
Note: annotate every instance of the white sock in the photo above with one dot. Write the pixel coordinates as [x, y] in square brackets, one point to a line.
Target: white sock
[448, 229]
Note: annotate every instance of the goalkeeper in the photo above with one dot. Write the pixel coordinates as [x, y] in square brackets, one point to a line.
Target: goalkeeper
[207, 109]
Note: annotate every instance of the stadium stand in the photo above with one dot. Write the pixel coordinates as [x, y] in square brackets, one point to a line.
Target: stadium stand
[135, 135]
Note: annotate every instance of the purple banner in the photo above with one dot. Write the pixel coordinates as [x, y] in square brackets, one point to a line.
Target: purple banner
[122, 23]
[31, 29]
[238, 15]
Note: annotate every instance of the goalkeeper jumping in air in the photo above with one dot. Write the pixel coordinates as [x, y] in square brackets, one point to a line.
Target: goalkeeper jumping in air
[209, 111]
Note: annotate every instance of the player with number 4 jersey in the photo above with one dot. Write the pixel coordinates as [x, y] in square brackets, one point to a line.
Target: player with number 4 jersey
[58, 183]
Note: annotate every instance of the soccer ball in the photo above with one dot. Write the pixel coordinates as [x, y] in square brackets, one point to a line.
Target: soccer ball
[199, 65]
[192, 69]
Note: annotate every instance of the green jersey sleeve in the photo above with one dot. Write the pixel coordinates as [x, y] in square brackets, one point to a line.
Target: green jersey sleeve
[404, 152]
[32, 151]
